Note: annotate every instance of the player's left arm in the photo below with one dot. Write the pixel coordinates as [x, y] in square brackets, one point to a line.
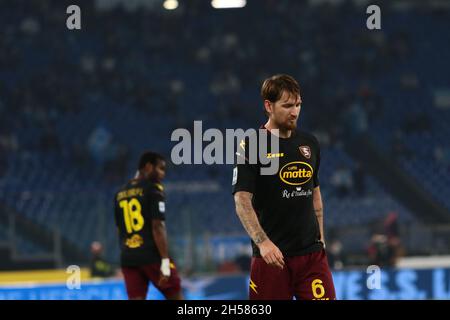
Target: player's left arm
[318, 210]
[159, 232]
[156, 214]
[160, 236]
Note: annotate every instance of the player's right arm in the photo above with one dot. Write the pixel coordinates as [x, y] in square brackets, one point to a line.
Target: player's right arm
[268, 250]
[244, 181]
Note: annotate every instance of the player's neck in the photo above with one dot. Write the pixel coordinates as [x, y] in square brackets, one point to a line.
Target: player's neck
[139, 176]
[282, 133]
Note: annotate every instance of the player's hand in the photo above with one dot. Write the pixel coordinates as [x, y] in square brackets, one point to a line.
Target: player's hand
[271, 254]
[165, 271]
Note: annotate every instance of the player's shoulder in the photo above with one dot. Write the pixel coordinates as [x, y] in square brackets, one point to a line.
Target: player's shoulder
[249, 135]
[155, 188]
[159, 187]
[307, 136]
[121, 188]
[244, 141]
[132, 183]
[120, 191]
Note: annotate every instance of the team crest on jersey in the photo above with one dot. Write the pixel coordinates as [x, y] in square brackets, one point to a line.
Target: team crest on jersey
[134, 242]
[305, 151]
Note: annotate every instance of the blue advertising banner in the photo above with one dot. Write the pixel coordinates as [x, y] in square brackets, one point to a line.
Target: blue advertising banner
[404, 284]
[203, 288]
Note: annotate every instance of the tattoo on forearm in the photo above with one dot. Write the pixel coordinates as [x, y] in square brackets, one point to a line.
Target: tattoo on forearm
[259, 236]
[249, 220]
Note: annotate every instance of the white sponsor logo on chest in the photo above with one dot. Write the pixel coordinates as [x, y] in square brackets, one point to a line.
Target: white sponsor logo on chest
[298, 192]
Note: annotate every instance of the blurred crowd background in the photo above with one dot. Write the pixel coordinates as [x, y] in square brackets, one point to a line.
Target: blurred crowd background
[77, 108]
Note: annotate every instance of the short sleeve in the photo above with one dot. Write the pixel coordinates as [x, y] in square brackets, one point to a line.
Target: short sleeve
[156, 205]
[244, 174]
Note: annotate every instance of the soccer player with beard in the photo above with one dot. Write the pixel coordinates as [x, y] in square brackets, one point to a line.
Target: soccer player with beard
[283, 213]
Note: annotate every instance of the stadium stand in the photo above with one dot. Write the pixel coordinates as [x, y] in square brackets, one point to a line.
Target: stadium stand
[77, 108]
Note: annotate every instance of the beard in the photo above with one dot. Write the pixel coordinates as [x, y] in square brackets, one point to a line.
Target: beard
[288, 125]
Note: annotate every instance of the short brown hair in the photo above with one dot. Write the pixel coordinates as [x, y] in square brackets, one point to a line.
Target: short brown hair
[273, 87]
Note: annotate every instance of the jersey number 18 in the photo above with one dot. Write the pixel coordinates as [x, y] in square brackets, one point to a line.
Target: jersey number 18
[132, 213]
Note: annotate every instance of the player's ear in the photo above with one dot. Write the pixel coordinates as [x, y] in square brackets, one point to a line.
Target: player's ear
[268, 106]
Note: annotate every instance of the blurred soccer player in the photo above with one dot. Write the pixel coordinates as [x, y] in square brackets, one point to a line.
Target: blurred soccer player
[140, 216]
[283, 213]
